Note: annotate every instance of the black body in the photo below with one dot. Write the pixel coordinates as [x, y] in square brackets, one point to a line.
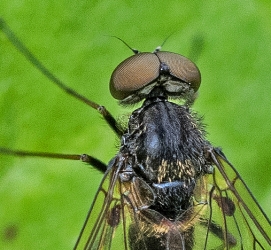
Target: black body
[165, 146]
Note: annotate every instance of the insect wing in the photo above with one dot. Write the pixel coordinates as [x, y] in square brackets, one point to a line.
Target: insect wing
[99, 228]
[234, 215]
[115, 210]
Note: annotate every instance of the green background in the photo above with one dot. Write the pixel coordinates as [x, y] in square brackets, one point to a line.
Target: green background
[44, 202]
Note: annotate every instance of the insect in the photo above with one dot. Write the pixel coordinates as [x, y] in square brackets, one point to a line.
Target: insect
[167, 187]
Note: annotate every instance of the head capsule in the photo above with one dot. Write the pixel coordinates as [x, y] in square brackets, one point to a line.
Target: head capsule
[135, 77]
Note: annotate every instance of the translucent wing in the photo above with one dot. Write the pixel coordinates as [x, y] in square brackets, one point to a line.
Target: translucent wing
[224, 214]
[232, 218]
[115, 209]
[104, 217]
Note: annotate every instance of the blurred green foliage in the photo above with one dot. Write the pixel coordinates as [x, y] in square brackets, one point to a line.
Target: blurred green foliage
[44, 202]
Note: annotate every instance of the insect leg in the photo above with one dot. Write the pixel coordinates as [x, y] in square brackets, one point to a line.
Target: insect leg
[111, 121]
[84, 157]
[217, 230]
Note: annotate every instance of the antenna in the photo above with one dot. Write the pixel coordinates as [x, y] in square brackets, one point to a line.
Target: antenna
[135, 51]
[160, 47]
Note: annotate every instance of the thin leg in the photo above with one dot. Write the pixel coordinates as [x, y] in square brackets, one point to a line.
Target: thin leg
[84, 157]
[217, 230]
[111, 121]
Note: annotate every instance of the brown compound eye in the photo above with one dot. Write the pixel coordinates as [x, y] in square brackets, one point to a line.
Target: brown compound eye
[141, 69]
[133, 74]
[181, 68]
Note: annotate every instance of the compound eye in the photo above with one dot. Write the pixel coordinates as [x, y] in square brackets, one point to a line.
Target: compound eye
[181, 68]
[133, 74]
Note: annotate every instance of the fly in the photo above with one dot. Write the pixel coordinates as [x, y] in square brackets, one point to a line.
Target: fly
[167, 187]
